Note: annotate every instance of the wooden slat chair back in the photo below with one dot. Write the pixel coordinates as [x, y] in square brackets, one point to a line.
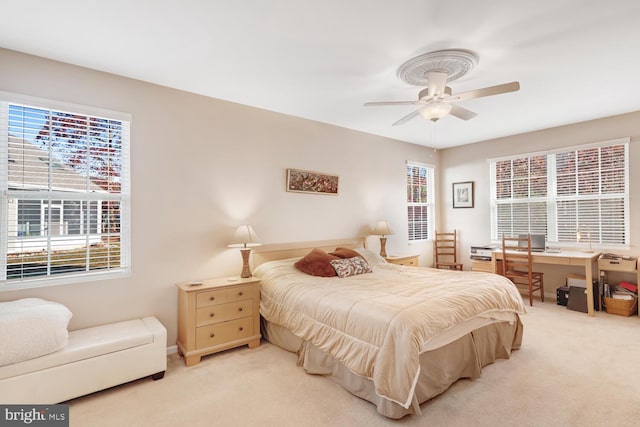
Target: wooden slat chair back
[445, 252]
[517, 265]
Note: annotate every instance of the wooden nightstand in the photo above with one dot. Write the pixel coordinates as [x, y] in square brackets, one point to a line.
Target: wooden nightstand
[486, 266]
[410, 260]
[217, 315]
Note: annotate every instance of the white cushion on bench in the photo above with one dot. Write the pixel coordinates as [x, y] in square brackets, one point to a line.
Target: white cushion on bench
[87, 343]
[30, 328]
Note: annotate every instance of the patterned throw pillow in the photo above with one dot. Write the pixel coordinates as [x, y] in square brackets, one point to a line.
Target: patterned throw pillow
[350, 266]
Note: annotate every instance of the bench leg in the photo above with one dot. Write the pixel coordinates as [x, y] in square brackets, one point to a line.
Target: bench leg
[158, 376]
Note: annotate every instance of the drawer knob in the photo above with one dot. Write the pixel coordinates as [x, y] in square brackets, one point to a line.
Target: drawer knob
[240, 309]
[212, 314]
[212, 298]
[240, 328]
[240, 294]
[211, 335]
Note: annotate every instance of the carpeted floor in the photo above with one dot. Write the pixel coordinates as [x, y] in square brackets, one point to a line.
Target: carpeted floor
[572, 370]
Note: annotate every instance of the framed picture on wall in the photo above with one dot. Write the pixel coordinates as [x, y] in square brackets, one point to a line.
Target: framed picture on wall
[301, 181]
[463, 194]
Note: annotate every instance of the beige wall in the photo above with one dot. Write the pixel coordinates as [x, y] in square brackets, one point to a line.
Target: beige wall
[202, 166]
[470, 163]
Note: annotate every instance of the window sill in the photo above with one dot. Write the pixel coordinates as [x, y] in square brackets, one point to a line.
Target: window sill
[15, 285]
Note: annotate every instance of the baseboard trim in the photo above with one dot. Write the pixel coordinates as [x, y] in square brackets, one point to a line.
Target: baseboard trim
[172, 350]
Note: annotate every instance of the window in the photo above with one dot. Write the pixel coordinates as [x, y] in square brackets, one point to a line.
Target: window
[420, 203]
[64, 186]
[578, 195]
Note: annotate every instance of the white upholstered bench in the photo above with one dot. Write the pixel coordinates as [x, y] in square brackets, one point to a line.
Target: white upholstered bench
[94, 359]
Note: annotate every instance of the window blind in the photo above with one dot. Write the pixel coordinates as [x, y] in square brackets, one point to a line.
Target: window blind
[578, 195]
[420, 201]
[65, 194]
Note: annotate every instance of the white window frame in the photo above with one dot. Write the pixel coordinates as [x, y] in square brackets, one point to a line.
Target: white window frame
[124, 270]
[552, 197]
[429, 204]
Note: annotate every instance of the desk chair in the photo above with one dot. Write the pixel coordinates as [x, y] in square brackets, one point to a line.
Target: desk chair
[444, 250]
[517, 266]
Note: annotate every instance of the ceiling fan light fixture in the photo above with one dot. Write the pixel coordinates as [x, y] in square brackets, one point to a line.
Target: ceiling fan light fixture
[435, 110]
[432, 71]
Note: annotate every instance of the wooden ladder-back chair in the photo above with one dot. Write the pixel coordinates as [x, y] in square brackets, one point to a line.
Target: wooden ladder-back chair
[444, 250]
[517, 265]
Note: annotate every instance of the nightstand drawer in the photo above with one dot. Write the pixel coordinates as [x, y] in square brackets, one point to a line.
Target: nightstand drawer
[221, 296]
[205, 299]
[238, 293]
[482, 265]
[222, 333]
[408, 260]
[223, 312]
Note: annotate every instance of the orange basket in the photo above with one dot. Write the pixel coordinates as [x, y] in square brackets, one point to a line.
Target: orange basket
[621, 307]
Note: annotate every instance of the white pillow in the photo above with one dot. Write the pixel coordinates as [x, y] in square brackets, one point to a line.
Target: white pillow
[371, 257]
[32, 327]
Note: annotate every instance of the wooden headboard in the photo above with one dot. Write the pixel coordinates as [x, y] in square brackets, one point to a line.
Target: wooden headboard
[274, 252]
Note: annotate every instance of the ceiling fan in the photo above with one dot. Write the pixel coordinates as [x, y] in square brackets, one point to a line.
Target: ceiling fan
[434, 70]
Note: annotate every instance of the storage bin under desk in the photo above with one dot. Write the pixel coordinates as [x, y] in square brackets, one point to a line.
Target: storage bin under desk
[620, 266]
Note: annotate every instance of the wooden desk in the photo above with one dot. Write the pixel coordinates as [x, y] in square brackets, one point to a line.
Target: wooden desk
[584, 259]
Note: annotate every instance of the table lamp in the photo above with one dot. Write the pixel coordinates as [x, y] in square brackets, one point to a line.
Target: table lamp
[579, 236]
[382, 229]
[245, 239]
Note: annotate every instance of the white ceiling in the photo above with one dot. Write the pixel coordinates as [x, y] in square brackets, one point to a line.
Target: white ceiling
[575, 60]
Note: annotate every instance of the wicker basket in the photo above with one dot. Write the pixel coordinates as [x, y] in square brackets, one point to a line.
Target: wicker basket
[621, 307]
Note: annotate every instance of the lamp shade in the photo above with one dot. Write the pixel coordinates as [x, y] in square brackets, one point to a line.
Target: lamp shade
[382, 228]
[245, 237]
[435, 110]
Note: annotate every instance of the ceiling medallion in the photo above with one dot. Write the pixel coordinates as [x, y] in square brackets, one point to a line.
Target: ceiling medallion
[455, 62]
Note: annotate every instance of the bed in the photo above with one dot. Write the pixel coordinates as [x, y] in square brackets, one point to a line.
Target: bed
[396, 336]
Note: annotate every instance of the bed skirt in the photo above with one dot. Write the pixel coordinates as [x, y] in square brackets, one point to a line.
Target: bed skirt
[439, 368]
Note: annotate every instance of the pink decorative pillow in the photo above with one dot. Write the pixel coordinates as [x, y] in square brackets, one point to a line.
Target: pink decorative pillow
[317, 263]
[346, 267]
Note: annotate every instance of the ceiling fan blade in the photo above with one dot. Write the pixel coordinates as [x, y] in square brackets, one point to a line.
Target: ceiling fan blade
[436, 83]
[406, 118]
[462, 113]
[487, 91]
[374, 104]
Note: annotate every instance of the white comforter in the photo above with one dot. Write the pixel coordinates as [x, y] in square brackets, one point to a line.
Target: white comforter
[377, 324]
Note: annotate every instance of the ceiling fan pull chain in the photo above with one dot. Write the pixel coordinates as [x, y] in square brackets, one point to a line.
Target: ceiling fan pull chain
[433, 135]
